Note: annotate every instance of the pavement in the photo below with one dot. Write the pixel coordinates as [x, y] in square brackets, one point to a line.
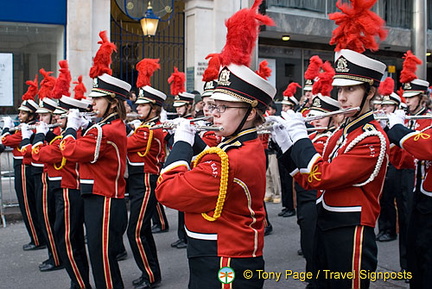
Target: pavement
[19, 269]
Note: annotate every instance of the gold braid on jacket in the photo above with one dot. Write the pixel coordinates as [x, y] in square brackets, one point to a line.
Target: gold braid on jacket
[223, 181]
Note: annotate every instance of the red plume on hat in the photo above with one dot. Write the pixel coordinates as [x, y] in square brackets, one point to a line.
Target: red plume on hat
[177, 82]
[264, 71]
[32, 89]
[102, 59]
[64, 79]
[242, 33]
[291, 89]
[409, 67]
[47, 84]
[146, 68]
[358, 27]
[386, 87]
[79, 89]
[400, 92]
[315, 63]
[325, 78]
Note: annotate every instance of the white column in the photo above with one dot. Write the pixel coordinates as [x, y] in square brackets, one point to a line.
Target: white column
[85, 20]
[206, 32]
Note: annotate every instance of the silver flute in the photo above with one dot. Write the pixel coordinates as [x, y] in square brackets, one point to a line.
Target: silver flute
[331, 113]
[409, 117]
[31, 127]
[171, 125]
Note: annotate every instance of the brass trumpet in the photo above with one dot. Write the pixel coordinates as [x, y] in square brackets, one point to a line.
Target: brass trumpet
[33, 127]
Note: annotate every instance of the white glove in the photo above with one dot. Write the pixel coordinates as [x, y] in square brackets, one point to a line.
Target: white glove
[383, 123]
[295, 124]
[84, 122]
[73, 119]
[42, 127]
[174, 122]
[135, 123]
[398, 117]
[8, 122]
[281, 137]
[25, 131]
[185, 132]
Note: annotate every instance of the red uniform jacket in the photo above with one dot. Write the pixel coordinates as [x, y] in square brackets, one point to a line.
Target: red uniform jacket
[101, 154]
[319, 139]
[239, 231]
[146, 148]
[58, 167]
[13, 141]
[419, 144]
[349, 174]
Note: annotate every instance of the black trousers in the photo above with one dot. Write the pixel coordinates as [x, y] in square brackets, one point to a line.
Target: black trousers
[287, 187]
[69, 232]
[398, 186]
[419, 246]
[24, 188]
[345, 249]
[105, 220]
[204, 272]
[142, 207]
[306, 219]
[159, 217]
[45, 205]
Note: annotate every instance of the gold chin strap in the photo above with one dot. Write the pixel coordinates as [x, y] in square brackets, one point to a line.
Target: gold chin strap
[149, 141]
[223, 181]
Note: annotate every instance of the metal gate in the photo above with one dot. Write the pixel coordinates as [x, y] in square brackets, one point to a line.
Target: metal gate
[132, 46]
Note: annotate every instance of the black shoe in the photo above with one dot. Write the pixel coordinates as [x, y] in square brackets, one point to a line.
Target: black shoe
[289, 213]
[174, 245]
[156, 229]
[122, 256]
[181, 245]
[267, 230]
[45, 262]
[30, 247]
[282, 212]
[379, 235]
[387, 237]
[139, 280]
[50, 267]
[144, 285]
[300, 252]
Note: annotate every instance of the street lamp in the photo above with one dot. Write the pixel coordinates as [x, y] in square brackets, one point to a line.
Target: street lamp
[149, 22]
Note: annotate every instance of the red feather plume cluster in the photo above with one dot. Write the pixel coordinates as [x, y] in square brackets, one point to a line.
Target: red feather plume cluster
[242, 33]
[358, 27]
[315, 63]
[177, 82]
[32, 89]
[325, 78]
[102, 59]
[79, 89]
[146, 68]
[291, 89]
[409, 67]
[47, 84]
[386, 87]
[63, 82]
[264, 71]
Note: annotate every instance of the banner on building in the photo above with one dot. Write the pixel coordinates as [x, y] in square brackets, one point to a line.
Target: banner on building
[6, 79]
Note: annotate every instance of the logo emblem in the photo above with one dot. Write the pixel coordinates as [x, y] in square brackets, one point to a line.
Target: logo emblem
[342, 65]
[176, 97]
[95, 82]
[226, 275]
[316, 102]
[407, 86]
[224, 78]
[209, 85]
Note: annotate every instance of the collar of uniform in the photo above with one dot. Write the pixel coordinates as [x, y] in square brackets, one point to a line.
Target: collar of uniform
[242, 136]
[152, 121]
[359, 122]
[110, 118]
[422, 111]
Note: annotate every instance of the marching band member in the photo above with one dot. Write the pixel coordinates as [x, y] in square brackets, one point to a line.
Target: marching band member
[145, 155]
[24, 185]
[101, 154]
[63, 177]
[224, 218]
[347, 204]
[41, 171]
